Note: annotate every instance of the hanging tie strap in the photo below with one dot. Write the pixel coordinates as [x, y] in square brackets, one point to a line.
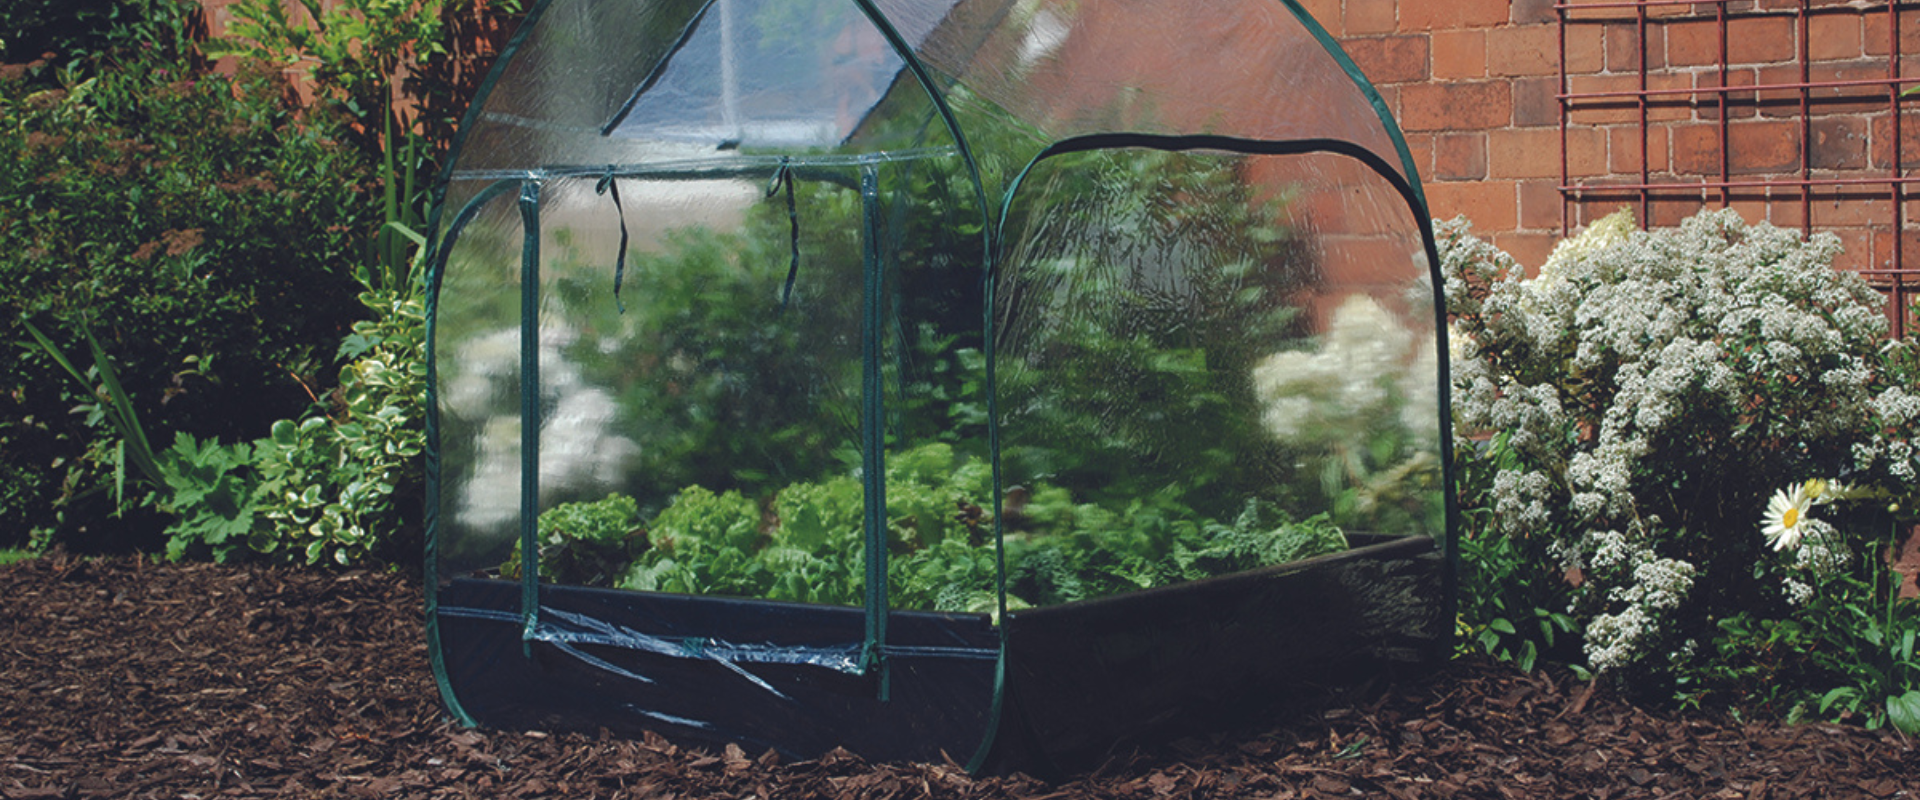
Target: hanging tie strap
[783, 174]
[608, 185]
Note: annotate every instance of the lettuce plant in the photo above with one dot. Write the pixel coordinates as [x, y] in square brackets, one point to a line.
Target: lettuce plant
[804, 543]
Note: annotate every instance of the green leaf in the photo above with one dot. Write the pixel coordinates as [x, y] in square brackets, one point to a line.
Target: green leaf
[1904, 712]
[119, 409]
[1846, 694]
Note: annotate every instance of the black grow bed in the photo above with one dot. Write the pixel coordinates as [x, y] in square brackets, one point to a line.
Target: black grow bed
[1082, 678]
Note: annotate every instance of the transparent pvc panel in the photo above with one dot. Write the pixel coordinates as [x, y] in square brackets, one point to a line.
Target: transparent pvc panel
[673, 80]
[938, 467]
[477, 358]
[674, 412]
[1246, 69]
[1361, 401]
[700, 431]
[758, 73]
[577, 65]
[1209, 362]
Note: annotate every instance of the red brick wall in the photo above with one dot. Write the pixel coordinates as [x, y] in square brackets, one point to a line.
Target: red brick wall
[1475, 85]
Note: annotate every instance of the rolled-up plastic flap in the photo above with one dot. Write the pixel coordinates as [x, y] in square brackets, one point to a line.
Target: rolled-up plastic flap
[778, 676]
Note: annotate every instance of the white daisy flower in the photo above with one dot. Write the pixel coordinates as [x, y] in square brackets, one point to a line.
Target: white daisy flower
[1784, 522]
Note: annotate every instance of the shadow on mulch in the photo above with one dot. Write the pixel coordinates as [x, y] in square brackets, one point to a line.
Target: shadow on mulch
[125, 678]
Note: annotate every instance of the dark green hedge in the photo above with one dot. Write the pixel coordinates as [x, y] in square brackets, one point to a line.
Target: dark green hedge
[202, 231]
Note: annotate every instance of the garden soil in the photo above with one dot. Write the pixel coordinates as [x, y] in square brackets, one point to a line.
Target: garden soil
[126, 678]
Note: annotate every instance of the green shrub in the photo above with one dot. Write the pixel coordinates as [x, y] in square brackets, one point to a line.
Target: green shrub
[202, 231]
[342, 484]
[78, 33]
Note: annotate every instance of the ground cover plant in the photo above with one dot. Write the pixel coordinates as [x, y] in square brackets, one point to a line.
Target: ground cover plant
[1639, 403]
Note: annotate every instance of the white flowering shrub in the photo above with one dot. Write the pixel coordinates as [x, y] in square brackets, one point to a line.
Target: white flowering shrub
[1645, 393]
[1361, 410]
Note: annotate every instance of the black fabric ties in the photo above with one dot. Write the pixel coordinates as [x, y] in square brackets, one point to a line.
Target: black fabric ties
[783, 174]
[608, 185]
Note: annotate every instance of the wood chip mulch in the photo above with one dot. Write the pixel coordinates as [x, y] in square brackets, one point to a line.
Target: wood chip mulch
[125, 678]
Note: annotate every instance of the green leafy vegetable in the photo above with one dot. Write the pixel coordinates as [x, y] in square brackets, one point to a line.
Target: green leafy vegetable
[805, 543]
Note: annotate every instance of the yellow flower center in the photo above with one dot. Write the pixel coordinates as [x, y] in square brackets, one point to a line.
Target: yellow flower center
[1790, 519]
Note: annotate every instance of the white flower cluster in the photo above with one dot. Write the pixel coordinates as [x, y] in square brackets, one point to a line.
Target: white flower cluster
[1346, 381]
[1654, 584]
[1637, 363]
[1898, 410]
[1822, 550]
[1362, 409]
[1613, 640]
[1361, 369]
[579, 450]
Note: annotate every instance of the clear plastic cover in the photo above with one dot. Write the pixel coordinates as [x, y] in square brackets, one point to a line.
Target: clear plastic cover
[780, 303]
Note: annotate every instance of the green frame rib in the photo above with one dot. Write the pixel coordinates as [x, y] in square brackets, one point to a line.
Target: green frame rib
[873, 436]
[529, 414]
[436, 273]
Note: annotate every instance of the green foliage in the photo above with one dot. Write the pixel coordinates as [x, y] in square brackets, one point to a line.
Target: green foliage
[1113, 363]
[718, 383]
[362, 55]
[1076, 551]
[359, 52]
[202, 234]
[1869, 651]
[211, 495]
[80, 34]
[703, 543]
[1512, 603]
[212, 236]
[585, 543]
[111, 403]
[12, 555]
[346, 483]
[1843, 657]
[805, 544]
[1261, 536]
[339, 485]
[34, 27]
[699, 518]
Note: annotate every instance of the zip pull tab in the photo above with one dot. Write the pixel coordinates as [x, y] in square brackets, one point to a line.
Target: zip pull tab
[783, 174]
[607, 185]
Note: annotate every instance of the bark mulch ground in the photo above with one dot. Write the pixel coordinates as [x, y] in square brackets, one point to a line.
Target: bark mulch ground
[125, 678]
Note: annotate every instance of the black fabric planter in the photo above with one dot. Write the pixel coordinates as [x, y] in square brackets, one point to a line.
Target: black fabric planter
[1083, 678]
